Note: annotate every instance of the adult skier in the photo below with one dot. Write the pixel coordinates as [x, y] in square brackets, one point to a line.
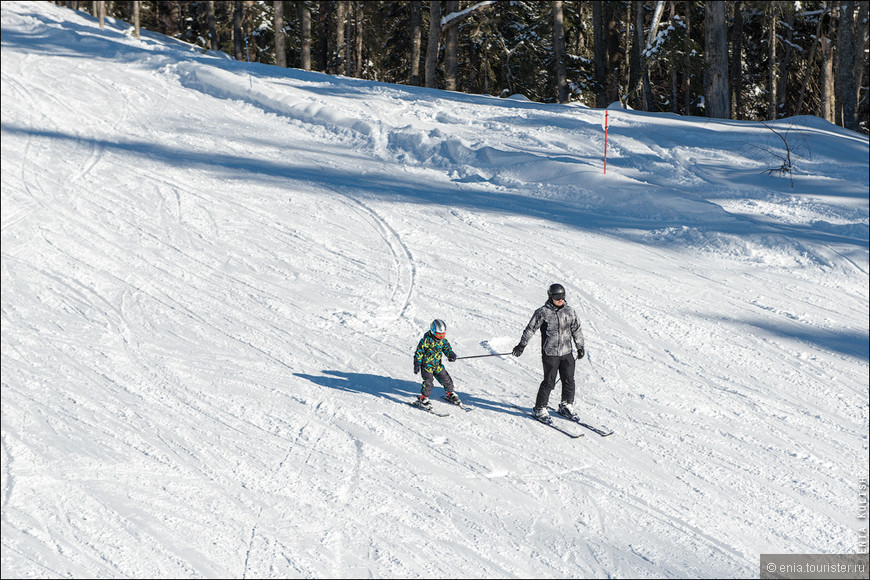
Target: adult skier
[427, 361]
[559, 327]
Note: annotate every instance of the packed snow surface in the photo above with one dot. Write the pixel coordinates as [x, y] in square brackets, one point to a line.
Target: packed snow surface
[214, 275]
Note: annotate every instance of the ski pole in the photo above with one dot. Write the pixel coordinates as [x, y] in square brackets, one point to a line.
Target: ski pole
[484, 355]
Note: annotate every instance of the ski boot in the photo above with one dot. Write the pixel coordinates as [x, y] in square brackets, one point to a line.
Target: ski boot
[424, 403]
[452, 397]
[567, 410]
[542, 415]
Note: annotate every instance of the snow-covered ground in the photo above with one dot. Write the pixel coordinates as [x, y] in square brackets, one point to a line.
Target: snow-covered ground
[214, 275]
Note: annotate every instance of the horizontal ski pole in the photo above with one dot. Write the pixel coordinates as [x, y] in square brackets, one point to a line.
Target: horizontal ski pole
[484, 355]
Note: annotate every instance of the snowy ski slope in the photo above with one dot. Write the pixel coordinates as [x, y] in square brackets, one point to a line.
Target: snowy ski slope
[214, 275]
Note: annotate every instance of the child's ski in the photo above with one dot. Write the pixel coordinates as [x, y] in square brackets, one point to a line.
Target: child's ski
[433, 411]
[553, 425]
[460, 405]
[576, 419]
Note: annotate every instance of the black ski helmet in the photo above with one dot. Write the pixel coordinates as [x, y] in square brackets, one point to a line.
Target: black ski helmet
[438, 328]
[556, 292]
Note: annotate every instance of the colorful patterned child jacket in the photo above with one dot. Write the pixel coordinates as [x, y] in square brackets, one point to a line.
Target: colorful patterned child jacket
[429, 351]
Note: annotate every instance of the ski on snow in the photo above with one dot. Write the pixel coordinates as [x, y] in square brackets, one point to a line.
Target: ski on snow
[460, 405]
[576, 419]
[432, 411]
[551, 424]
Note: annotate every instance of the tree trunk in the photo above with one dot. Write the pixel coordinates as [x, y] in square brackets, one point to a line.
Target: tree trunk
[249, 39]
[137, 7]
[735, 67]
[358, 49]
[305, 32]
[654, 26]
[861, 40]
[451, 49]
[212, 31]
[324, 31]
[629, 73]
[599, 53]
[639, 62]
[172, 19]
[280, 52]
[614, 54]
[349, 38]
[782, 91]
[432, 46]
[647, 96]
[811, 60]
[675, 89]
[416, 41]
[848, 92]
[687, 67]
[633, 44]
[826, 102]
[559, 49]
[716, 60]
[337, 60]
[238, 41]
[771, 60]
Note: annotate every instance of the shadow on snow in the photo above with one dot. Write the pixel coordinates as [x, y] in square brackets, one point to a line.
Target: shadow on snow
[397, 390]
[385, 185]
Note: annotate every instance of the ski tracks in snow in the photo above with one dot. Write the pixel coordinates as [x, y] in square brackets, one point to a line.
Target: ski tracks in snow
[191, 263]
[401, 287]
[82, 150]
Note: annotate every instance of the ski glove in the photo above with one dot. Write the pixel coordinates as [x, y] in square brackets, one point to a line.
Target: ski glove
[518, 350]
[581, 352]
[416, 367]
[451, 357]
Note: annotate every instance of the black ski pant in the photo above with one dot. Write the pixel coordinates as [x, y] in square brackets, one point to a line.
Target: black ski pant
[564, 367]
[429, 382]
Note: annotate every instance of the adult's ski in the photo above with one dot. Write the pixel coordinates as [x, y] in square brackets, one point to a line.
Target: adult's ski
[553, 425]
[576, 419]
[599, 431]
[460, 405]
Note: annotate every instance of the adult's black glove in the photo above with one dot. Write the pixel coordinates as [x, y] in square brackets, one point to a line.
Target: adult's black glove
[581, 352]
[451, 357]
[416, 367]
[518, 350]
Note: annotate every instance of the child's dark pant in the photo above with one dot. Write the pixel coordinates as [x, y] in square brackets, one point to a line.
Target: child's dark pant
[442, 377]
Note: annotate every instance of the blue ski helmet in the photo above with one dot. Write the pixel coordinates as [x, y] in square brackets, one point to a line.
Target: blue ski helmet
[438, 328]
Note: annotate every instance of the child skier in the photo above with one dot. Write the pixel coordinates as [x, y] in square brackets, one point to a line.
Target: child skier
[427, 361]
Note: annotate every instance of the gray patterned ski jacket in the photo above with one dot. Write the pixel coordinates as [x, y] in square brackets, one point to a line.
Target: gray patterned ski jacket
[558, 327]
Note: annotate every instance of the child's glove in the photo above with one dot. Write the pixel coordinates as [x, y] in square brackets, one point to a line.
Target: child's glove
[580, 352]
[451, 357]
[416, 367]
[518, 350]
